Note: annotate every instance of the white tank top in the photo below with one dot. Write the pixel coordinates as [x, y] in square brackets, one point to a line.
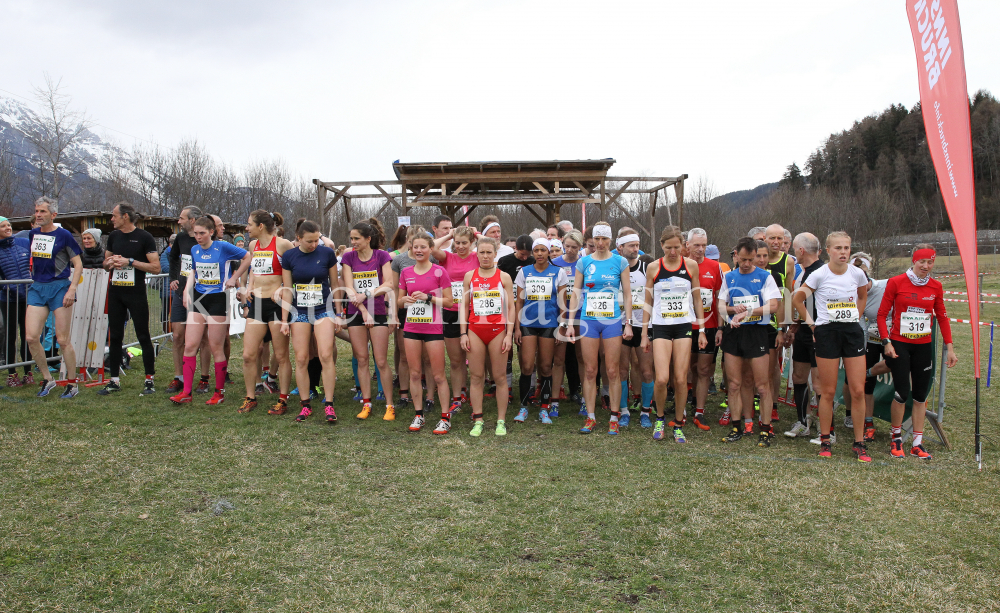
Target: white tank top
[672, 296]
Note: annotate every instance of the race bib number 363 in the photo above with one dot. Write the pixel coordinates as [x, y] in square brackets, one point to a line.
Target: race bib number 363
[42, 246]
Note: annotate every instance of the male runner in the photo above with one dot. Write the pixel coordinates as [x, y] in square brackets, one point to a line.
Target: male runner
[807, 249]
[442, 226]
[782, 268]
[180, 268]
[710, 282]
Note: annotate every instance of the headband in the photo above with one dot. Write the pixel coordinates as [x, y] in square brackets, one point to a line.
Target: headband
[3, 219]
[544, 242]
[555, 243]
[924, 254]
[490, 225]
[628, 238]
[604, 231]
[864, 261]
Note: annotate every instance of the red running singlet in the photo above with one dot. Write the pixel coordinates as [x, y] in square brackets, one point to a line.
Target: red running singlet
[486, 306]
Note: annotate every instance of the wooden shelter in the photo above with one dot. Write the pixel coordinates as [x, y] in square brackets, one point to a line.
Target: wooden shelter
[541, 188]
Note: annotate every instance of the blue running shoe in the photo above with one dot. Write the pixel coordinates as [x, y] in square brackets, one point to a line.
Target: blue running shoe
[521, 415]
[583, 411]
[658, 431]
[71, 390]
[294, 392]
[357, 394]
[544, 416]
[554, 410]
[623, 420]
[380, 395]
[679, 436]
[645, 421]
[588, 426]
[47, 386]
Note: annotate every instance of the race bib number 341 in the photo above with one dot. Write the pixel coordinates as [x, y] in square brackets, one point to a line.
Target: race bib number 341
[208, 274]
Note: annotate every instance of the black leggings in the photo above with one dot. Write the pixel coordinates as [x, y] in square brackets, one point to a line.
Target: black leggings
[572, 371]
[120, 306]
[913, 362]
[13, 319]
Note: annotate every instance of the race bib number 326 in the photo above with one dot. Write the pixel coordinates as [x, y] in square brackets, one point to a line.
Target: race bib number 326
[601, 305]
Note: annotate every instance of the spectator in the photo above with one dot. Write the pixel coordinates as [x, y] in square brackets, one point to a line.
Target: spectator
[93, 251]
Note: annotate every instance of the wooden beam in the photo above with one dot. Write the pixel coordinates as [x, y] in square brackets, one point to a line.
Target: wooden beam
[532, 211]
[634, 219]
[582, 188]
[459, 190]
[320, 202]
[423, 191]
[444, 189]
[387, 196]
[652, 221]
[557, 186]
[465, 214]
[679, 192]
[540, 188]
[339, 193]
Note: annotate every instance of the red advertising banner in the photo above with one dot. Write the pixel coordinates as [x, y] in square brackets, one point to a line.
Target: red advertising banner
[944, 100]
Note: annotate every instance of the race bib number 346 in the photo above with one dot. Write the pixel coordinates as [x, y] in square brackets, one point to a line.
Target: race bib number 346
[123, 277]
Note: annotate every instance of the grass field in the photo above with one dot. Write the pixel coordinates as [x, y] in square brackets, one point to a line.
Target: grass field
[124, 505]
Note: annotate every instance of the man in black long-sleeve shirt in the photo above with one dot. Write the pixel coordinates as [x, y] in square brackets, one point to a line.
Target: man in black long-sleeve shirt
[180, 268]
[512, 264]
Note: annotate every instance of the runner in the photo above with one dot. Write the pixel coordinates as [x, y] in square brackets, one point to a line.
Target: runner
[567, 358]
[487, 321]
[512, 264]
[460, 260]
[180, 269]
[747, 298]
[671, 284]
[873, 351]
[491, 229]
[633, 360]
[599, 279]
[538, 314]
[207, 304]
[840, 292]
[782, 268]
[442, 227]
[399, 263]
[709, 282]
[555, 248]
[309, 286]
[53, 290]
[807, 249]
[264, 314]
[367, 274]
[914, 299]
[425, 290]
[130, 254]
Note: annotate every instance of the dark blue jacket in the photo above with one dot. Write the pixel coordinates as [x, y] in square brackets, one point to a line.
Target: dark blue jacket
[15, 255]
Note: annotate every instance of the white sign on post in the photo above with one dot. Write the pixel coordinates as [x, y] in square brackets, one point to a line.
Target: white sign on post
[403, 221]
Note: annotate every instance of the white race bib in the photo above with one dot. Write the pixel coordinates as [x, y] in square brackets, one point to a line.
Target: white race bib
[706, 300]
[914, 325]
[365, 282]
[601, 305]
[842, 312]
[186, 266]
[538, 288]
[419, 312]
[457, 290]
[42, 246]
[674, 305]
[262, 263]
[208, 274]
[751, 303]
[308, 294]
[486, 302]
[123, 277]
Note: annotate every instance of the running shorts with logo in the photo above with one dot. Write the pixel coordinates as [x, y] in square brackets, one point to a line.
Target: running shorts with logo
[673, 310]
[310, 273]
[601, 287]
[838, 333]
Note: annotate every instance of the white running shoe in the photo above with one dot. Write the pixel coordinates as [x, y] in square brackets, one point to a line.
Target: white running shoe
[798, 429]
[443, 427]
[833, 439]
[417, 423]
[848, 422]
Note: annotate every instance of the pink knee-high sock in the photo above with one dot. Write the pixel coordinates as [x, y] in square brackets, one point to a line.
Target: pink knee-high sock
[220, 374]
[190, 366]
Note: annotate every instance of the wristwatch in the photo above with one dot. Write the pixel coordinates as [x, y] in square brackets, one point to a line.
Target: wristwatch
[131, 261]
[885, 342]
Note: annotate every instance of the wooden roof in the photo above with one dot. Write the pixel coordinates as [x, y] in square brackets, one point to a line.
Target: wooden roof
[160, 226]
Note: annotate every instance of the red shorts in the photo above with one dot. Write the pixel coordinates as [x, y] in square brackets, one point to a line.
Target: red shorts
[487, 332]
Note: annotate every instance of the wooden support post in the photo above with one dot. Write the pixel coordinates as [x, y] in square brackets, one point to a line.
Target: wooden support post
[604, 212]
[679, 191]
[652, 222]
[320, 202]
[403, 198]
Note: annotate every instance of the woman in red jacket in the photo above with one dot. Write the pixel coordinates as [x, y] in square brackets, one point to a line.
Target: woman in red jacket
[914, 299]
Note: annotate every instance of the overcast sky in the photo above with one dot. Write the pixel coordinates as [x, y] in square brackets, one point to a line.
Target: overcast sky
[729, 90]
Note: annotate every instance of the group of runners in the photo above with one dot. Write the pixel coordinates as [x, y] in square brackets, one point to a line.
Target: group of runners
[590, 307]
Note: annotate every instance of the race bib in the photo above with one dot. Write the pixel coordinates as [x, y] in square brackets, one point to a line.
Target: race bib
[914, 325]
[123, 277]
[751, 303]
[186, 266]
[842, 312]
[419, 312]
[208, 274]
[308, 294]
[638, 298]
[674, 305]
[486, 302]
[262, 263]
[538, 288]
[42, 246]
[365, 282]
[601, 305]
[706, 300]
[457, 290]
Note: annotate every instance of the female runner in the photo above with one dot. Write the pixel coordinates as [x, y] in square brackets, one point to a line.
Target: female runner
[487, 322]
[671, 282]
[207, 303]
[310, 284]
[367, 273]
[570, 363]
[538, 313]
[601, 276]
[400, 263]
[425, 289]
[908, 350]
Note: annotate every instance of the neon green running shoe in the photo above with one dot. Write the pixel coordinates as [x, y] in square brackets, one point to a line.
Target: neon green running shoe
[501, 428]
[477, 428]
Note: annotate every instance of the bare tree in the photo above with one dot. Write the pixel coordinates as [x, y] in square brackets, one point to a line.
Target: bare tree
[59, 129]
[10, 181]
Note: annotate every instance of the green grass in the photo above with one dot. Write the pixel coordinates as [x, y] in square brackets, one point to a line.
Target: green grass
[108, 505]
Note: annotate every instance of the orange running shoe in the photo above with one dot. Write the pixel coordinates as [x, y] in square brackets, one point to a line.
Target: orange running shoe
[217, 398]
[869, 433]
[919, 452]
[896, 449]
[824, 450]
[747, 427]
[248, 405]
[701, 426]
[279, 408]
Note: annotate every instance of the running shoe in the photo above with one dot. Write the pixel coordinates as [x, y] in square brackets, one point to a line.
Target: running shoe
[819, 441]
[613, 428]
[109, 389]
[390, 413]
[554, 409]
[825, 451]
[674, 424]
[271, 385]
[73, 390]
[404, 401]
[636, 405]
[918, 451]
[304, 413]
[357, 394]
[543, 416]
[217, 398]
[658, 430]
[764, 439]
[202, 387]
[417, 423]
[726, 418]
[711, 387]
[229, 379]
[260, 389]
[181, 398]
[454, 407]
[869, 433]
[380, 396]
[147, 388]
[605, 402]
[735, 435]
[798, 429]
[588, 426]
[747, 427]
[624, 420]
[848, 422]
[774, 415]
[679, 436]
[443, 427]
[13, 381]
[477, 428]
[46, 386]
[521, 415]
[366, 410]
[578, 398]
[501, 429]
[28, 379]
[724, 404]
[700, 425]
[248, 405]
[896, 449]
[465, 397]
[294, 392]
[279, 408]
[861, 452]
[645, 421]
[756, 404]
[583, 411]
[331, 415]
